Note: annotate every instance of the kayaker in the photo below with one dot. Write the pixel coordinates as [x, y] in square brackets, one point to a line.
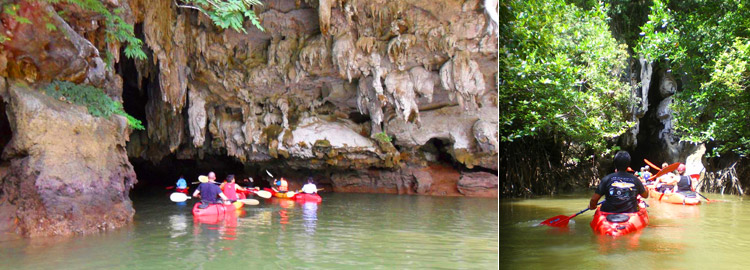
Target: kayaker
[230, 188]
[620, 188]
[208, 192]
[310, 187]
[182, 185]
[281, 185]
[646, 174]
[685, 184]
[666, 182]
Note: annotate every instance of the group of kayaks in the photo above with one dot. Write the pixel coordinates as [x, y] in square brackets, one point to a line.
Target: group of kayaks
[615, 224]
[222, 209]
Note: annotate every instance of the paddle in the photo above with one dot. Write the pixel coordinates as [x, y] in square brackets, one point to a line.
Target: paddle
[651, 164]
[170, 187]
[250, 201]
[178, 197]
[666, 170]
[562, 220]
[263, 194]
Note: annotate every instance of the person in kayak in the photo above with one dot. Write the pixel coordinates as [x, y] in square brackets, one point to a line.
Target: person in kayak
[666, 182]
[685, 184]
[620, 188]
[646, 174]
[182, 185]
[281, 185]
[208, 191]
[310, 187]
[230, 188]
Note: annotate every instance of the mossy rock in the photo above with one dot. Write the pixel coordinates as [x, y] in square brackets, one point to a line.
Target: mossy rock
[322, 143]
[272, 132]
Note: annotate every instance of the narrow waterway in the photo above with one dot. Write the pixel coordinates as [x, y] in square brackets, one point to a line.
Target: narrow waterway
[345, 231]
[708, 236]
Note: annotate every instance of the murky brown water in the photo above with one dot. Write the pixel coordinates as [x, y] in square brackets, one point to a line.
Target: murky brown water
[708, 236]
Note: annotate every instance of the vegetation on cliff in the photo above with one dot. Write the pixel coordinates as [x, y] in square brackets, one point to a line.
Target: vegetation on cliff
[97, 103]
[706, 43]
[563, 79]
[561, 82]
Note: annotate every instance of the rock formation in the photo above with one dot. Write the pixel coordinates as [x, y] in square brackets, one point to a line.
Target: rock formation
[375, 96]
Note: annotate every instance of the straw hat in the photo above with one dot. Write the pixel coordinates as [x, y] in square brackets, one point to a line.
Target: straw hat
[203, 179]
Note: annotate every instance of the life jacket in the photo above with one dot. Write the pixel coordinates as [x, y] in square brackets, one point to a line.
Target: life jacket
[684, 184]
[283, 186]
[230, 190]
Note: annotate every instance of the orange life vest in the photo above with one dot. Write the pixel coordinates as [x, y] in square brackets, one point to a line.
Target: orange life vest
[283, 186]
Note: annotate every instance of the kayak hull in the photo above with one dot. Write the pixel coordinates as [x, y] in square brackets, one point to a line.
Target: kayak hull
[304, 197]
[214, 209]
[280, 195]
[635, 221]
[674, 198]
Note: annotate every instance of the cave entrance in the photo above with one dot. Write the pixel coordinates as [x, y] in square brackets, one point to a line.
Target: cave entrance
[5, 135]
[650, 146]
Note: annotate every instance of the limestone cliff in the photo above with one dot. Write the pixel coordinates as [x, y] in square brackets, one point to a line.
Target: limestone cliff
[340, 86]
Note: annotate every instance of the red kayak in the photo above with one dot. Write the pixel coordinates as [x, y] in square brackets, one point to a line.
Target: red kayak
[304, 197]
[616, 224]
[213, 210]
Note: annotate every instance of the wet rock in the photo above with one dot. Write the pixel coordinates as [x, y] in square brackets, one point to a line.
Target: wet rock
[86, 193]
[479, 184]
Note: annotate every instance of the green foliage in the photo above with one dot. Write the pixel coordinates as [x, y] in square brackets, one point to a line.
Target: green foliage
[228, 13]
[97, 103]
[559, 70]
[708, 46]
[382, 136]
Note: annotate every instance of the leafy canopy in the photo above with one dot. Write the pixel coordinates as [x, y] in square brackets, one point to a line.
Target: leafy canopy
[559, 70]
[706, 43]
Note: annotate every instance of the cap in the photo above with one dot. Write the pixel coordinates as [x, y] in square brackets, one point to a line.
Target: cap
[203, 179]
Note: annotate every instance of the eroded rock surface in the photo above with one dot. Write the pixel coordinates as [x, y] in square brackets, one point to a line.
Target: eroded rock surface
[69, 171]
[330, 85]
[378, 96]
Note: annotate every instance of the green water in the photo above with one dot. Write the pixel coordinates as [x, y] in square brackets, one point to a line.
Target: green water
[345, 231]
[707, 236]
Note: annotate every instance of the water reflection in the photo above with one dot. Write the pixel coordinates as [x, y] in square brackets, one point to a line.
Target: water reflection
[310, 216]
[219, 226]
[179, 225]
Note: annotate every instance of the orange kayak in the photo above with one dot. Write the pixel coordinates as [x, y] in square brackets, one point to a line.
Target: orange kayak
[675, 198]
[616, 224]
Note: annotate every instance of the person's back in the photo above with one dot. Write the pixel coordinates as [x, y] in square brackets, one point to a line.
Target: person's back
[620, 190]
[685, 183]
[209, 192]
[309, 188]
[181, 183]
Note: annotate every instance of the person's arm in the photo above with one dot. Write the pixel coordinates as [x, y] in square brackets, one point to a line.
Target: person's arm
[197, 193]
[594, 200]
[224, 197]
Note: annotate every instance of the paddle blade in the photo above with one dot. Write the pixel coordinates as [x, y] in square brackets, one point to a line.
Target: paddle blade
[290, 194]
[178, 197]
[269, 174]
[263, 194]
[170, 187]
[652, 165]
[557, 221]
[250, 201]
[664, 171]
